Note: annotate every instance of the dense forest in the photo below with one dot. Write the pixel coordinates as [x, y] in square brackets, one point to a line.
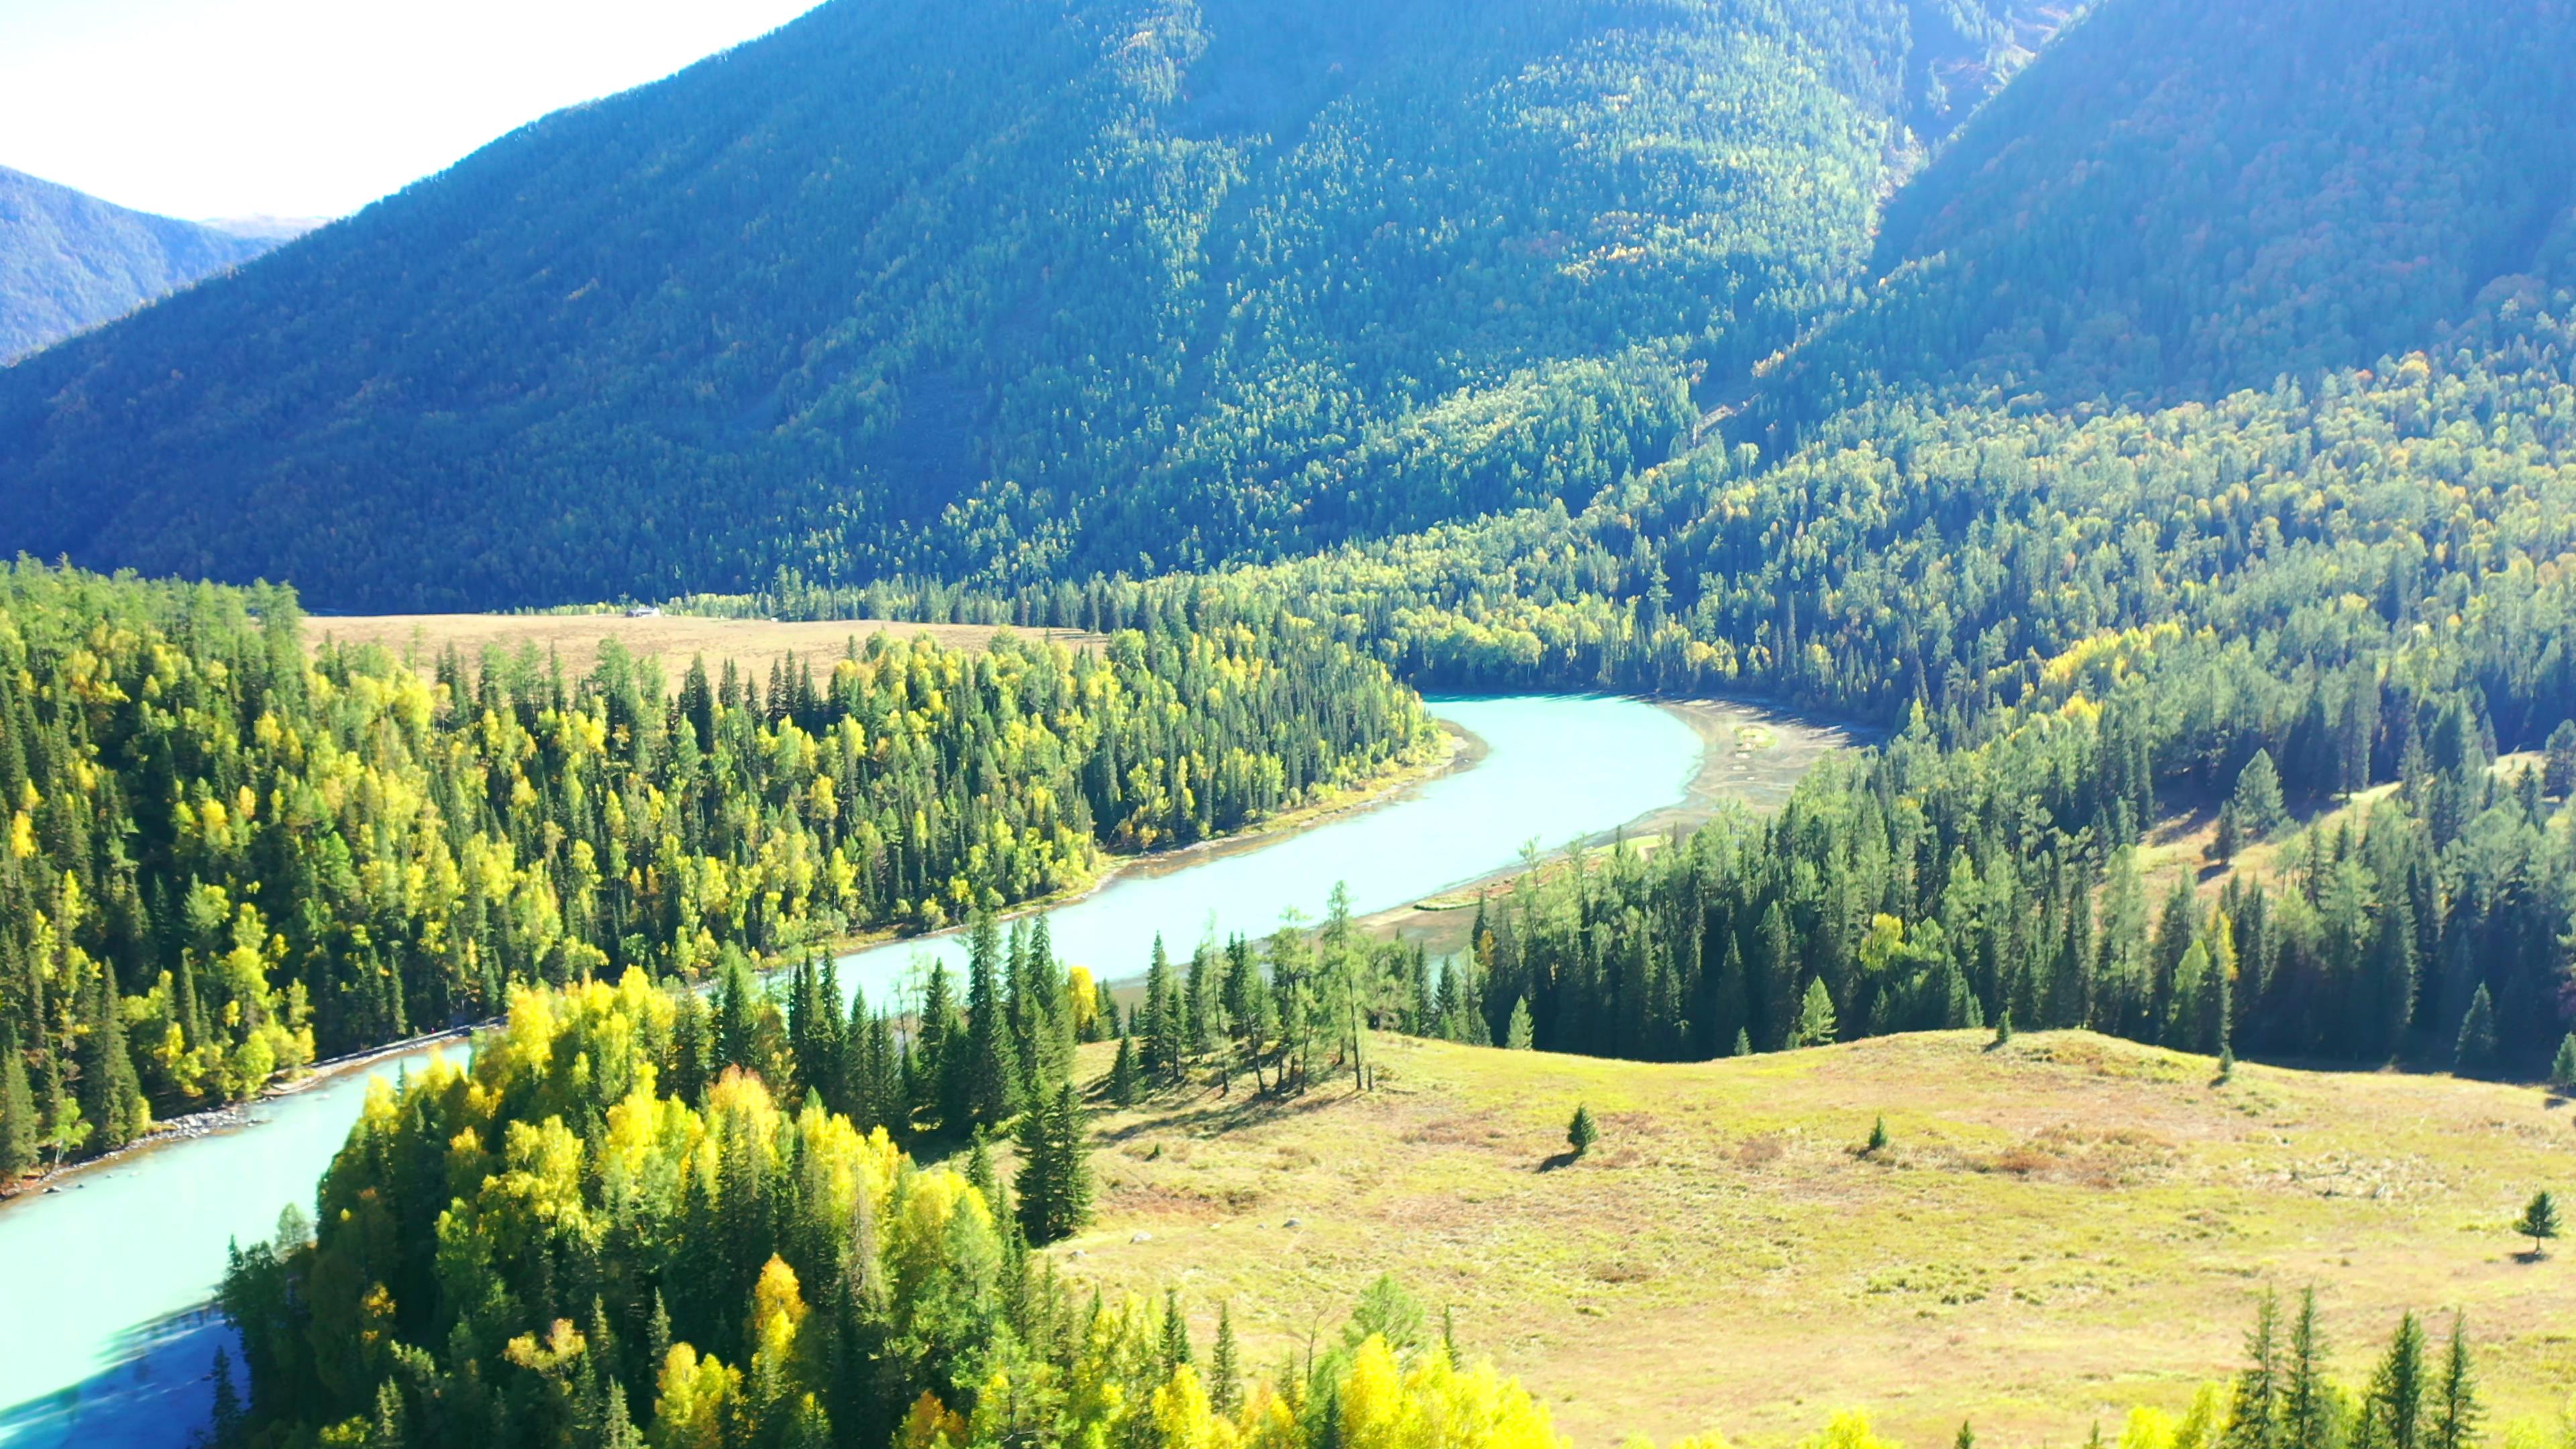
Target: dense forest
[225, 858]
[69, 262]
[560, 1247]
[1011, 292]
[2189, 197]
[2089, 625]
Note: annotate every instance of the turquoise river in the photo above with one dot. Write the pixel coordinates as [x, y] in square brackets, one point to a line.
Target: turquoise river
[105, 1334]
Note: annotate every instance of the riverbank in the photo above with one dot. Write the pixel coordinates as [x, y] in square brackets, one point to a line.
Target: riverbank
[1450, 749]
[1752, 754]
[231, 1117]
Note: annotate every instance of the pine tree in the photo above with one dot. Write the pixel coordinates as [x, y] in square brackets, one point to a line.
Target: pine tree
[986, 1089]
[2254, 1411]
[2393, 1406]
[2456, 1410]
[111, 1095]
[2539, 1221]
[18, 1136]
[2308, 1411]
[2476, 1052]
[1163, 1025]
[737, 1024]
[938, 1055]
[1176, 1332]
[1122, 1073]
[2228, 839]
[1743, 1043]
[1816, 1025]
[1967, 1437]
[1516, 1037]
[1225, 1366]
[1054, 1186]
[1581, 1133]
[2003, 1027]
[2562, 1069]
[2558, 770]
[2256, 802]
[979, 1170]
[1877, 1136]
[618, 1429]
[227, 1429]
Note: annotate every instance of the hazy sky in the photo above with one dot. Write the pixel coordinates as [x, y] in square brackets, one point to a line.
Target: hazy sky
[202, 108]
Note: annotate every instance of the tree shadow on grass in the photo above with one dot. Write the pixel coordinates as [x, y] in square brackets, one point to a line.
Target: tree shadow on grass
[1560, 1160]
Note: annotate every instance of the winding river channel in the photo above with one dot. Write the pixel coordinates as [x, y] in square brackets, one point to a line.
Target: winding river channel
[105, 1336]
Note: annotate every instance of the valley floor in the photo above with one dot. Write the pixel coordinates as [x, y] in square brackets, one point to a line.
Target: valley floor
[2060, 1229]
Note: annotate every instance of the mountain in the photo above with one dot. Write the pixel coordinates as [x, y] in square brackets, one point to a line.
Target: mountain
[69, 261]
[1010, 292]
[2187, 197]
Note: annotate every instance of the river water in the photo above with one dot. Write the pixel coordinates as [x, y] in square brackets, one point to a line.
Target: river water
[105, 1337]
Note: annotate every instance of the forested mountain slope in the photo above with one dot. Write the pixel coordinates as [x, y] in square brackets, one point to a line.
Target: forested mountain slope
[1009, 291]
[2185, 197]
[69, 261]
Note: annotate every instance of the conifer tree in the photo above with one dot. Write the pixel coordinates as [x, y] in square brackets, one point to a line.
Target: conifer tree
[979, 1169]
[111, 1097]
[2475, 1053]
[2308, 1412]
[938, 1055]
[2004, 1027]
[2539, 1221]
[985, 1092]
[2558, 770]
[1877, 1136]
[2456, 1410]
[1816, 1025]
[1581, 1133]
[2392, 1413]
[2562, 1068]
[1225, 1365]
[737, 1023]
[1743, 1044]
[1516, 1037]
[1967, 1437]
[2256, 803]
[1054, 1186]
[1162, 1026]
[1176, 1332]
[17, 1107]
[1122, 1073]
[2254, 1409]
[225, 1432]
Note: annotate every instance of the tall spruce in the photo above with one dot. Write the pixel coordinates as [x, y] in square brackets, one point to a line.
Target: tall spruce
[2254, 1414]
[2308, 1410]
[18, 1136]
[2392, 1410]
[986, 1091]
[2456, 1410]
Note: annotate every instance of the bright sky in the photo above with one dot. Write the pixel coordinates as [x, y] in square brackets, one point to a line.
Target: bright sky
[207, 108]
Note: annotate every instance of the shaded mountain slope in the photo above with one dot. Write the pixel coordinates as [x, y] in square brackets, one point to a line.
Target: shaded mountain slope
[70, 261]
[2184, 197]
[1011, 291]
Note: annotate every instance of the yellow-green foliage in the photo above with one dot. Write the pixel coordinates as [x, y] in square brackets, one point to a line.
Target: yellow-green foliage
[739, 1275]
[250, 857]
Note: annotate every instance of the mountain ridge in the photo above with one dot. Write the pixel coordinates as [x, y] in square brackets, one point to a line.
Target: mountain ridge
[70, 262]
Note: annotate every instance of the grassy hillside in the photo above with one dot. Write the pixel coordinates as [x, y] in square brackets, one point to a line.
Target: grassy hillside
[1006, 291]
[70, 261]
[2060, 1229]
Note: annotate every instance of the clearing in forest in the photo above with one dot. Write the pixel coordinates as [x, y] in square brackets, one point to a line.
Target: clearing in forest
[2061, 1228]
